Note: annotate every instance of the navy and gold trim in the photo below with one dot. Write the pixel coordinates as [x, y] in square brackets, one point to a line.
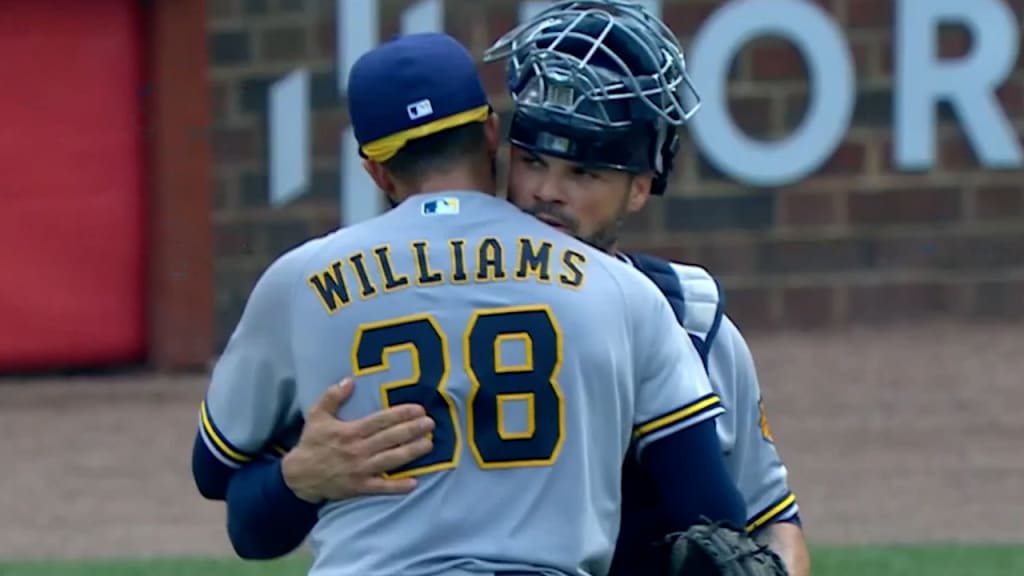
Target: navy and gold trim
[772, 512]
[216, 441]
[384, 149]
[703, 405]
[493, 382]
[421, 337]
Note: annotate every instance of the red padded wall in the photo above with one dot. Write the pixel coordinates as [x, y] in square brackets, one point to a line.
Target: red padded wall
[72, 216]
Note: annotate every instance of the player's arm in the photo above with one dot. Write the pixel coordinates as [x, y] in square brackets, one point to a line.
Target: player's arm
[696, 486]
[251, 394]
[675, 432]
[272, 506]
[773, 513]
[787, 540]
[266, 519]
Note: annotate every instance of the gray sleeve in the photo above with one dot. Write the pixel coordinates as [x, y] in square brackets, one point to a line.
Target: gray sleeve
[673, 391]
[251, 397]
[751, 454]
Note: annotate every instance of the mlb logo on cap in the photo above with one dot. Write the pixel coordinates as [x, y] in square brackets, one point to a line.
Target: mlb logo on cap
[412, 87]
[440, 206]
[419, 109]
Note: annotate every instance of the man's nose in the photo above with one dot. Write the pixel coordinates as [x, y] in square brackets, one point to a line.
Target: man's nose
[551, 191]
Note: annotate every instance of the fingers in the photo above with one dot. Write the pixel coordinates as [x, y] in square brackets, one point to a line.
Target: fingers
[379, 485]
[397, 456]
[388, 418]
[330, 403]
[399, 434]
[332, 399]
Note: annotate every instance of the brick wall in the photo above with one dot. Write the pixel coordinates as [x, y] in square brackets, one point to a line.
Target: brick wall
[856, 243]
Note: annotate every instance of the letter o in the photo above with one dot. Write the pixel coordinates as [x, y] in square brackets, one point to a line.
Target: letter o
[820, 41]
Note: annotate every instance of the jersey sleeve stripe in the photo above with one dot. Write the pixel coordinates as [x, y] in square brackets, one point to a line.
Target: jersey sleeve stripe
[212, 449]
[223, 447]
[772, 512]
[703, 404]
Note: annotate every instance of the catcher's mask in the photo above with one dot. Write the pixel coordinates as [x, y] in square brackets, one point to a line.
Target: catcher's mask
[602, 83]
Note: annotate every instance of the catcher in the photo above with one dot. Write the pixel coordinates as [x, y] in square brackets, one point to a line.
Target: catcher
[580, 164]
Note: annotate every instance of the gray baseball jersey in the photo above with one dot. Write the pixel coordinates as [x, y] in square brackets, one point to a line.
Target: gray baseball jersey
[539, 358]
[743, 431]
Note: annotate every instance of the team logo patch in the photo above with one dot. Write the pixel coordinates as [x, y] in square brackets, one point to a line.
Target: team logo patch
[446, 206]
[765, 430]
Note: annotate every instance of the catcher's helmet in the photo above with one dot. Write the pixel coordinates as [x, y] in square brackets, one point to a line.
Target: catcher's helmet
[603, 83]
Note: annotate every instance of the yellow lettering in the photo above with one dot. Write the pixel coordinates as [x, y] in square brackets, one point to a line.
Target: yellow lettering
[366, 287]
[424, 275]
[457, 248]
[573, 262]
[330, 288]
[387, 270]
[533, 260]
[490, 261]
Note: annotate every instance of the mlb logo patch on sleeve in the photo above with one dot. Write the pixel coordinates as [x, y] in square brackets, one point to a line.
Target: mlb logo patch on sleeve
[440, 206]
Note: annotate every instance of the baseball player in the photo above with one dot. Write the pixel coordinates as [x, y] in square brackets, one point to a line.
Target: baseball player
[483, 316]
[588, 195]
[582, 169]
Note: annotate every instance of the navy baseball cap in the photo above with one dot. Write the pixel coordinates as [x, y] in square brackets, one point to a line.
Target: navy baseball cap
[412, 87]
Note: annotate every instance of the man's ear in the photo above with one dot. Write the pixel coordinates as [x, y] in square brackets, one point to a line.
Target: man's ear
[639, 192]
[380, 177]
[492, 131]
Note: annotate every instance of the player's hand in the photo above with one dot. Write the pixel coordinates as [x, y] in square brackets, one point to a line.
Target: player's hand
[337, 459]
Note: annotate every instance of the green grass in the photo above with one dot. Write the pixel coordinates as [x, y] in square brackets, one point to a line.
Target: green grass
[952, 560]
[935, 560]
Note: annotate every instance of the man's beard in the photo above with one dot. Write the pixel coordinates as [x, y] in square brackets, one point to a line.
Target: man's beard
[606, 237]
[603, 238]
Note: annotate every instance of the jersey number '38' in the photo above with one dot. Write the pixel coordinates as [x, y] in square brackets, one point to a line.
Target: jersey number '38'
[492, 383]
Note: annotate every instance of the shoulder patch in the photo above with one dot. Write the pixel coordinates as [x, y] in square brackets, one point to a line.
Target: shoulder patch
[766, 431]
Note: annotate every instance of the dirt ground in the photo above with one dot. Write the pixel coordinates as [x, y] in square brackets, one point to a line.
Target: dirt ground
[891, 435]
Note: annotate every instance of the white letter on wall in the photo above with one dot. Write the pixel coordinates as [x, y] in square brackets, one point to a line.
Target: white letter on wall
[830, 64]
[357, 34]
[968, 83]
[289, 148]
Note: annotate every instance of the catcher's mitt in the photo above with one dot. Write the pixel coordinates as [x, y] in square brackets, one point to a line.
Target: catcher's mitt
[720, 550]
